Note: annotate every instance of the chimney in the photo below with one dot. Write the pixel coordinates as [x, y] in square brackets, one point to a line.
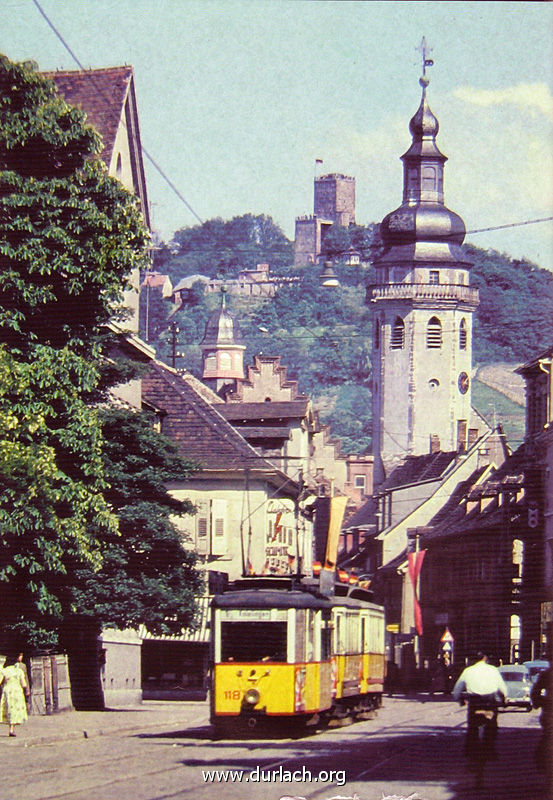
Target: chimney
[434, 443]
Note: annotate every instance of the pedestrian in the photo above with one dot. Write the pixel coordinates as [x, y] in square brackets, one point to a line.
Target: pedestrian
[13, 707]
[484, 689]
[23, 667]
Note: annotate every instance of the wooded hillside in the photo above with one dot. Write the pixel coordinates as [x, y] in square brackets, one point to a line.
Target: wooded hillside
[324, 336]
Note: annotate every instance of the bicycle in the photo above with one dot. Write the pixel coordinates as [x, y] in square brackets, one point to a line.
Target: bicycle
[481, 732]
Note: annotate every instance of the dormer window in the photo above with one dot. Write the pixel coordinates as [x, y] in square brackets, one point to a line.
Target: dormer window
[434, 277]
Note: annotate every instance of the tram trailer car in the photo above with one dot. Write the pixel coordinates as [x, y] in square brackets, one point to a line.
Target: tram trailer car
[292, 656]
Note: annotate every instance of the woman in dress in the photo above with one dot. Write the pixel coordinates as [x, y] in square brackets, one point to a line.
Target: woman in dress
[13, 708]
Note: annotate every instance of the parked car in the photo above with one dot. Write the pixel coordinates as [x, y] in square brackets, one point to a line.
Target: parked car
[535, 667]
[517, 680]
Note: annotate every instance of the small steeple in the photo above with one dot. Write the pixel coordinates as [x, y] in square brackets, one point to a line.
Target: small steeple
[222, 348]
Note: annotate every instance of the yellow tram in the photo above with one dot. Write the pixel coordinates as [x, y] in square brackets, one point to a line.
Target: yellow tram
[292, 654]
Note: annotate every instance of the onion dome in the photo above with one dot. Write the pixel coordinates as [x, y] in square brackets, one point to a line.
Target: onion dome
[426, 223]
[424, 127]
[423, 228]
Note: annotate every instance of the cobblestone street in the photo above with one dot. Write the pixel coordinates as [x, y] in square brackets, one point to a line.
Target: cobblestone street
[165, 751]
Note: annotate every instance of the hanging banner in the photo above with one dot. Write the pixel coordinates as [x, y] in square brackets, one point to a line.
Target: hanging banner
[414, 562]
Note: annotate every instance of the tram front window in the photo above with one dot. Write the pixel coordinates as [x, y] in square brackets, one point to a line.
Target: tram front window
[253, 641]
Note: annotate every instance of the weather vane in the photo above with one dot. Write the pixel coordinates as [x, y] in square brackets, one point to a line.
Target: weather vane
[425, 50]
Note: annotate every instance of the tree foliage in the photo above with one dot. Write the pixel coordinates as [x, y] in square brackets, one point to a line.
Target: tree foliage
[222, 247]
[69, 237]
[514, 321]
[324, 337]
[149, 578]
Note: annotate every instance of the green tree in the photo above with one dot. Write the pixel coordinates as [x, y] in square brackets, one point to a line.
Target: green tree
[222, 247]
[336, 242]
[148, 578]
[69, 237]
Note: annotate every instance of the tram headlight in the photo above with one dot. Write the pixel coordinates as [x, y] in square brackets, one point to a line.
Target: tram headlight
[252, 697]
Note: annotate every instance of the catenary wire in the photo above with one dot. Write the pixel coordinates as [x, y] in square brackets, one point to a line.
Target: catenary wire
[150, 158]
[176, 190]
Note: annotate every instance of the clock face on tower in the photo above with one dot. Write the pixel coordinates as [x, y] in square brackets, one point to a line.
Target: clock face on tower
[463, 382]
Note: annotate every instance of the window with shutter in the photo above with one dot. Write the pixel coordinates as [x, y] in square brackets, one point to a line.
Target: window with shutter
[463, 335]
[434, 334]
[219, 545]
[397, 342]
[202, 527]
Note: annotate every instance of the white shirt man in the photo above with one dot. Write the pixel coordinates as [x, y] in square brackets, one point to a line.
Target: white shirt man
[481, 679]
[486, 690]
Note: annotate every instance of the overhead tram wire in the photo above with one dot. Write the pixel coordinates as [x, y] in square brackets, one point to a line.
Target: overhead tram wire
[368, 249]
[510, 225]
[145, 152]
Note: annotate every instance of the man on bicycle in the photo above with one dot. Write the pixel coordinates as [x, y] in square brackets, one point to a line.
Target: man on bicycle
[484, 689]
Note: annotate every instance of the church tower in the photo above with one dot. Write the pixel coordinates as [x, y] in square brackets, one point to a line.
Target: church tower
[423, 308]
[222, 350]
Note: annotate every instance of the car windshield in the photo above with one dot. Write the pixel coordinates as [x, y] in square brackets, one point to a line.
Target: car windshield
[513, 676]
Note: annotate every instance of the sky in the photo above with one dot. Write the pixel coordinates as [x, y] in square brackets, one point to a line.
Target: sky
[237, 98]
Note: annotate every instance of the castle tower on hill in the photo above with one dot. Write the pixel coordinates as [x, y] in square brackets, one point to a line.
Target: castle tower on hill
[222, 350]
[423, 308]
[333, 203]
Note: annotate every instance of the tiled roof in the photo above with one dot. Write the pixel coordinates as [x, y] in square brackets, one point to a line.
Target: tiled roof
[200, 388]
[285, 409]
[261, 432]
[155, 280]
[202, 434]
[189, 281]
[416, 469]
[453, 519]
[365, 516]
[101, 94]
[199, 633]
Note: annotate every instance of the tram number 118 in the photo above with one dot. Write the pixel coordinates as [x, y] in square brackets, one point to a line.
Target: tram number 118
[232, 694]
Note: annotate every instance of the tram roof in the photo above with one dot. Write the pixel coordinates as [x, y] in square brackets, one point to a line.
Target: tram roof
[278, 598]
[269, 598]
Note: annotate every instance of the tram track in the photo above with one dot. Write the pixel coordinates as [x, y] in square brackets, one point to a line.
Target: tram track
[145, 767]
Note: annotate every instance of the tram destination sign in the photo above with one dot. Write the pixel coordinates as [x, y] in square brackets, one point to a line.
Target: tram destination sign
[254, 614]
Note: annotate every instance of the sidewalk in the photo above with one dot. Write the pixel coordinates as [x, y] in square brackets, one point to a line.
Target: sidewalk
[67, 725]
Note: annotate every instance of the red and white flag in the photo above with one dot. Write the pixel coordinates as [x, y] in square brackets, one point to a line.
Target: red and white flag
[414, 564]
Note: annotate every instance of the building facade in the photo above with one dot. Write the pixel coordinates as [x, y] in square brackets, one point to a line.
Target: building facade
[538, 376]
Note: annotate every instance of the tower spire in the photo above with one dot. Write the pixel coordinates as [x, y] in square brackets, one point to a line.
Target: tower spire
[424, 49]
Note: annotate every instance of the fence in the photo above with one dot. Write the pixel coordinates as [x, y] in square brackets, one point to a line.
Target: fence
[50, 686]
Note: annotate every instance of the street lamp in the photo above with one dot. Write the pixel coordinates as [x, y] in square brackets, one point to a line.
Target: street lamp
[328, 277]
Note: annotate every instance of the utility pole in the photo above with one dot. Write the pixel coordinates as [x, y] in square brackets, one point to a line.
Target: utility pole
[174, 333]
